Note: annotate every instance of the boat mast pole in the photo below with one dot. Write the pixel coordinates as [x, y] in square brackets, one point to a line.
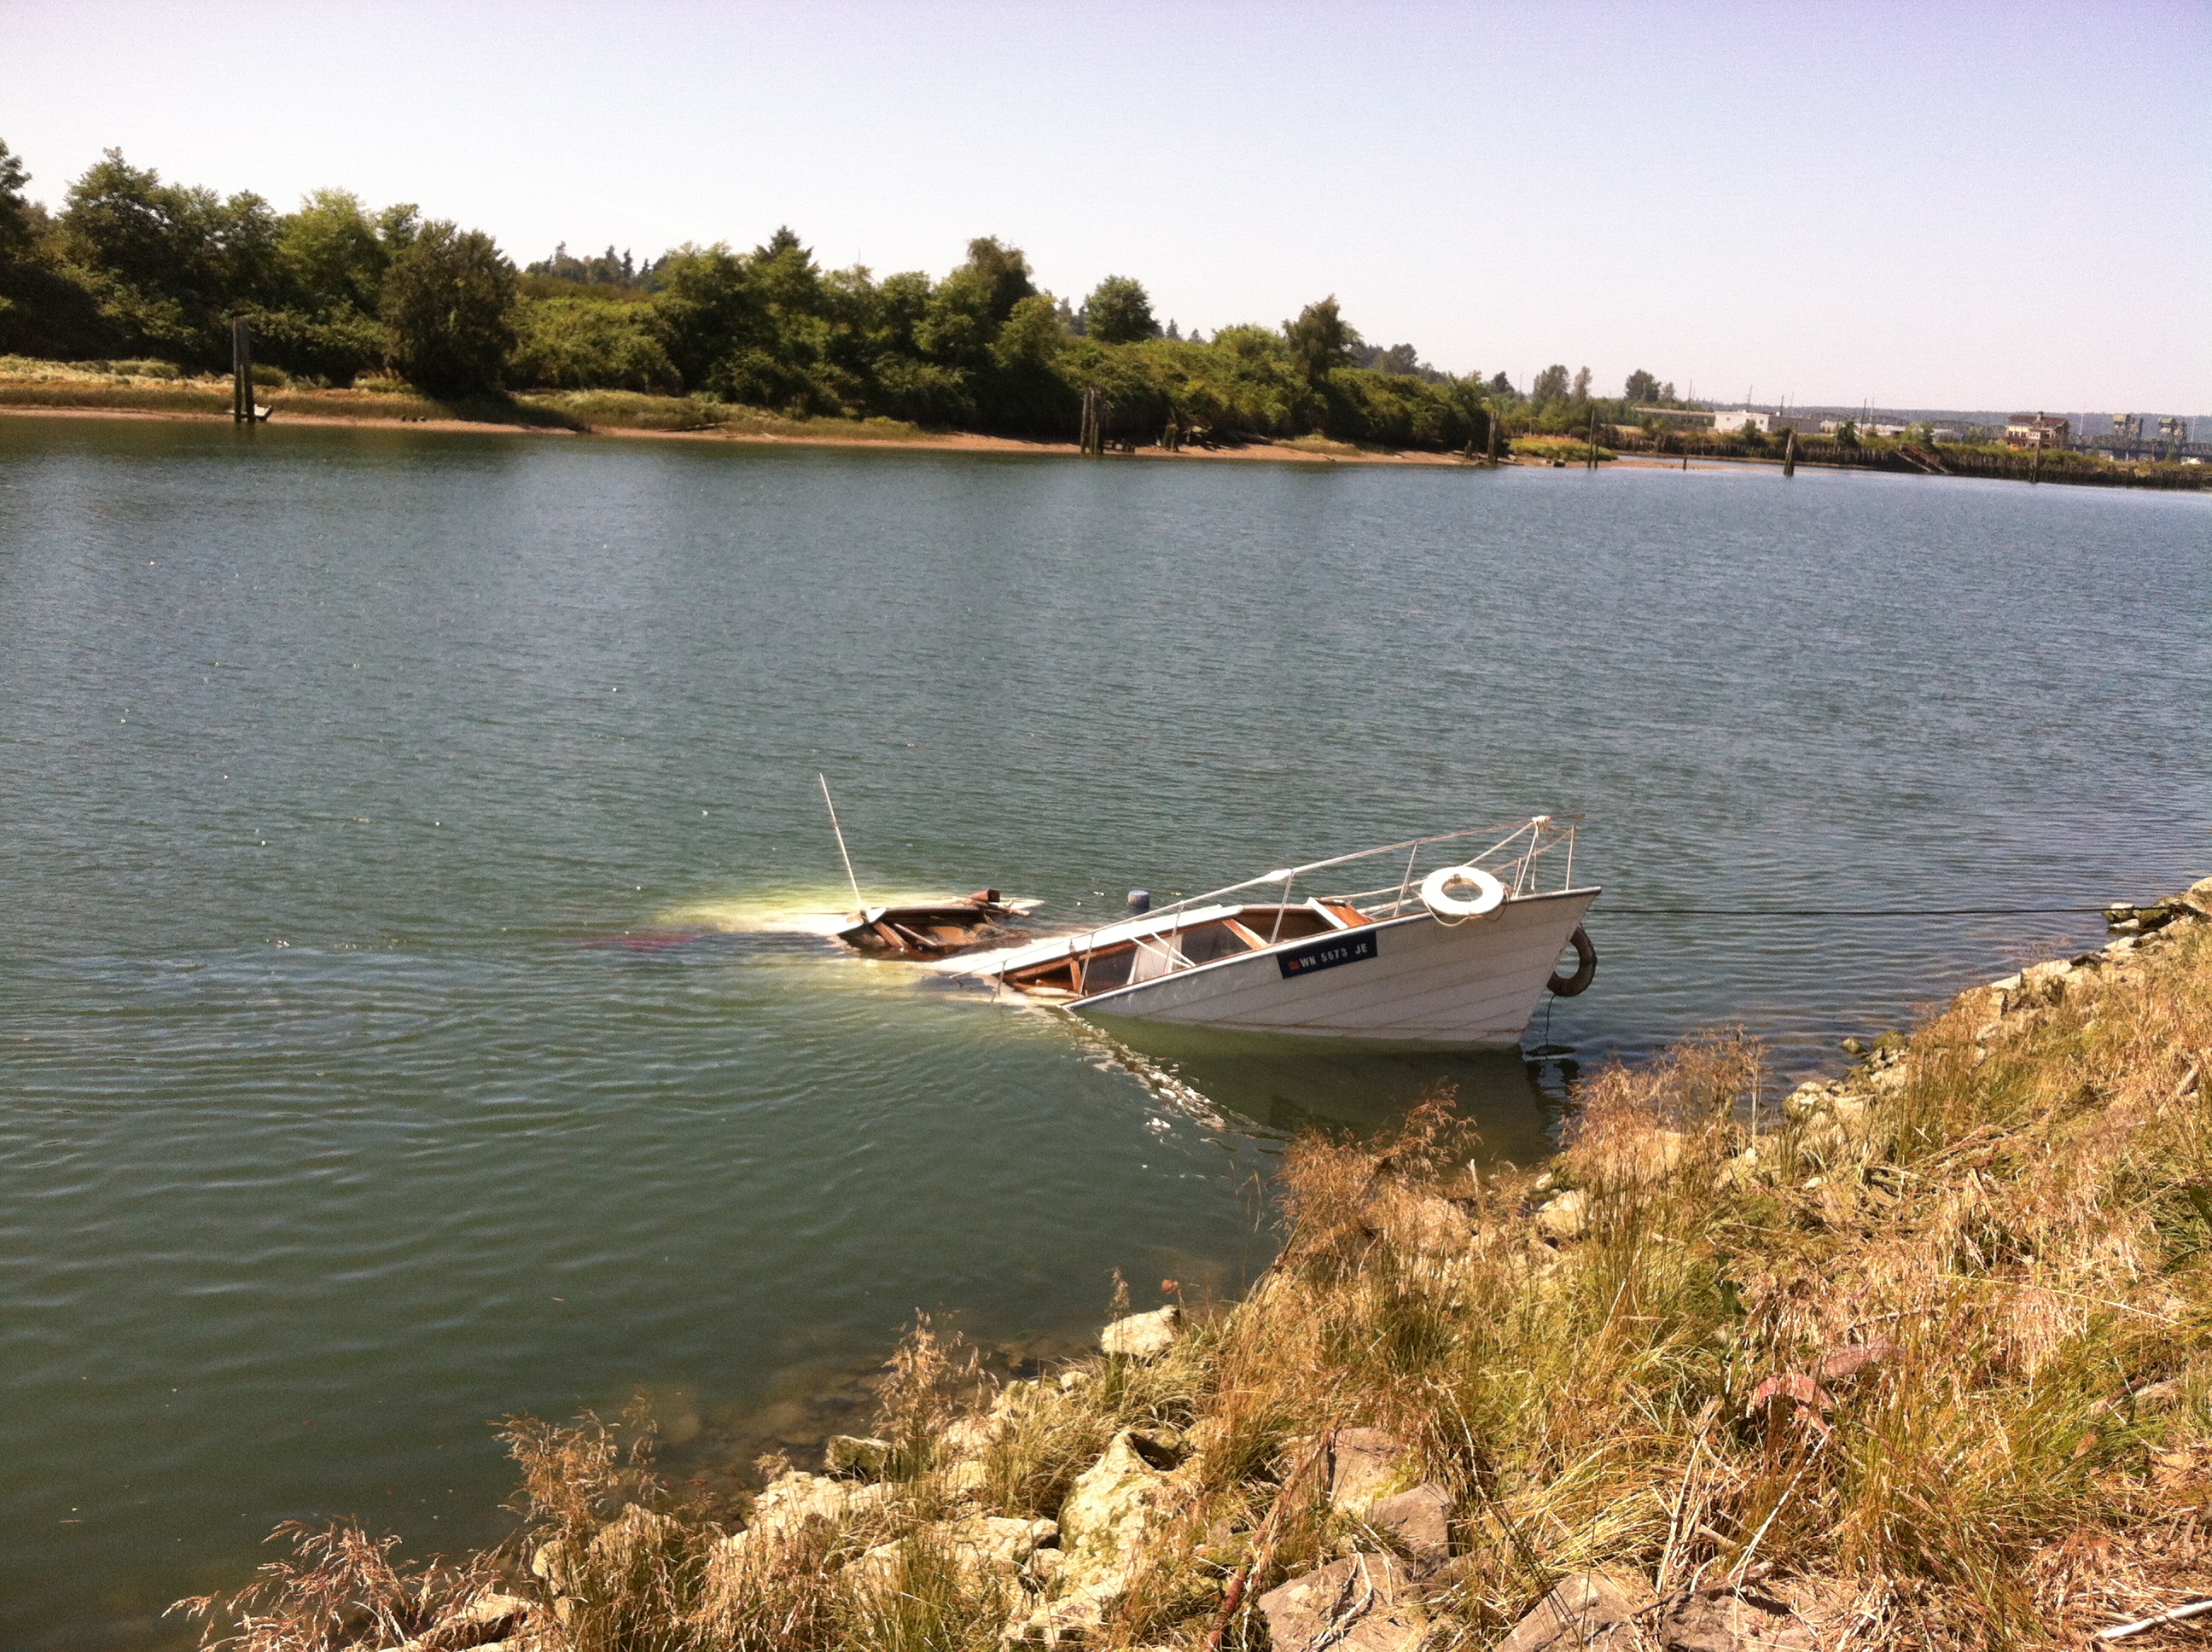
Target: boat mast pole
[843, 852]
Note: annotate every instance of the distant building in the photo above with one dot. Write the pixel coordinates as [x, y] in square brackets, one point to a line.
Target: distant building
[2036, 430]
[1732, 419]
[2127, 426]
[2173, 429]
[1830, 427]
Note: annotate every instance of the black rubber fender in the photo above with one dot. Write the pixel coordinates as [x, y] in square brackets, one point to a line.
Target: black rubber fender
[1585, 966]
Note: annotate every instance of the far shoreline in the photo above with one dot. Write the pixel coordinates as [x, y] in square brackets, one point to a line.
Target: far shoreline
[948, 440]
[1261, 449]
[1307, 451]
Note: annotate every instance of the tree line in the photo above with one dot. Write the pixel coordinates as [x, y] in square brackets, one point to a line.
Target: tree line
[133, 266]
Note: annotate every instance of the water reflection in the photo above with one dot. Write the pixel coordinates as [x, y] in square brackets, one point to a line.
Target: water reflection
[1280, 1086]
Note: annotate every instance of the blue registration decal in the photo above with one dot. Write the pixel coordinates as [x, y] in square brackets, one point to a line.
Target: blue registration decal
[1326, 954]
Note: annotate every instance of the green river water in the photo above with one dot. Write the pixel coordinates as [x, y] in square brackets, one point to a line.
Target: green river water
[402, 1019]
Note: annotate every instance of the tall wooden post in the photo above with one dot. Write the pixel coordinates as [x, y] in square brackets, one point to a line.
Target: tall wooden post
[241, 370]
[1093, 437]
[1592, 443]
[1790, 453]
[1493, 439]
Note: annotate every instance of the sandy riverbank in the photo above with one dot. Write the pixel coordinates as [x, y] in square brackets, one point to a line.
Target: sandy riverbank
[1298, 453]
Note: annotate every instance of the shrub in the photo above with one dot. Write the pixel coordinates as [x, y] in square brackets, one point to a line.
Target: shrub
[582, 344]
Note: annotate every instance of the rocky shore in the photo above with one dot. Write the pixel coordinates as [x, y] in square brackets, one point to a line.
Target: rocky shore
[1920, 1354]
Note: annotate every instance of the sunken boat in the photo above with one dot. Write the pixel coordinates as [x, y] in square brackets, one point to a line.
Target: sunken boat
[935, 929]
[1458, 948]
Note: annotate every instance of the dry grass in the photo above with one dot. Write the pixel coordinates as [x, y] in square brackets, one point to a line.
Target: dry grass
[1573, 449]
[336, 1587]
[1927, 1353]
[624, 409]
[158, 388]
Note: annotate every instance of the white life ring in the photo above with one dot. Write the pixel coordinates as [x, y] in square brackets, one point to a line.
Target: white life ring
[1488, 896]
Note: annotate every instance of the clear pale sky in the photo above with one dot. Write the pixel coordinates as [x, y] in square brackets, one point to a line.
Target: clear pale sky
[1969, 205]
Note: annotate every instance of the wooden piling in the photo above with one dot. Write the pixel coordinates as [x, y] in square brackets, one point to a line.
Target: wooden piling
[241, 370]
[1494, 442]
[1592, 444]
[1790, 454]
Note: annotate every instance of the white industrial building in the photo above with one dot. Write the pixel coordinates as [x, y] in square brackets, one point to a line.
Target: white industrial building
[1732, 419]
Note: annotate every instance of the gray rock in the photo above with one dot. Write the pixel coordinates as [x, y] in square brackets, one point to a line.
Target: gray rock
[1590, 1609]
[1418, 1521]
[1565, 1217]
[1143, 1336]
[1360, 1604]
[487, 1621]
[1435, 1227]
[1721, 1620]
[850, 1454]
[970, 1436]
[1365, 1465]
[982, 1547]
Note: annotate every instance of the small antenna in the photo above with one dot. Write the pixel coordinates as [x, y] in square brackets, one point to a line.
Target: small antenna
[856, 899]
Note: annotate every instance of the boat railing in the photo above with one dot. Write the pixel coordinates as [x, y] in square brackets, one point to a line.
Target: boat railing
[1516, 856]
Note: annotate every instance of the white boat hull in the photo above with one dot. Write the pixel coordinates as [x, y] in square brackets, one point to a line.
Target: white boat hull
[1474, 983]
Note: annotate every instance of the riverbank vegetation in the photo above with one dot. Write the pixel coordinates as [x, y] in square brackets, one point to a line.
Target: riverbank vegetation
[135, 269]
[135, 277]
[1918, 1357]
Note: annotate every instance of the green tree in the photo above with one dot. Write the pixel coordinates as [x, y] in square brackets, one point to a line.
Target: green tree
[15, 233]
[1120, 312]
[1033, 334]
[448, 308]
[1320, 340]
[18, 244]
[1642, 389]
[957, 325]
[1004, 272]
[168, 265]
[708, 307]
[784, 274]
[1551, 385]
[332, 254]
[1582, 386]
[398, 226]
[42, 311]
[1025, 388]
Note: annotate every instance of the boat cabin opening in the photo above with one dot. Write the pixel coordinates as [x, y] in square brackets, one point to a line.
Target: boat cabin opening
[1085, 971]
